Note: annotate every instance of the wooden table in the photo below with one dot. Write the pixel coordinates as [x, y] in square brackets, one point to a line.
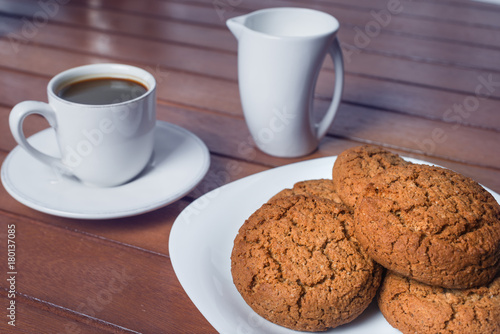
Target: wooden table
[423, 81]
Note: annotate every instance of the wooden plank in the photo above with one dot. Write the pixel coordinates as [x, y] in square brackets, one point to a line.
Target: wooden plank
[120, 270]
[422, 50]
[476, 84]
[421, 101]
[229, 136]
[361, 123]
[414, 29]
[353, 38]
[434, 76]
[224, 65]
[128, 48]
[147, 27]
[485, 5]
[146, 231]
[169, 28]
[213, 12]
[379, 17]
[433, 138]
[116, 284]
[38, 317]
[222, 95]
[14, 89]
[432, 11]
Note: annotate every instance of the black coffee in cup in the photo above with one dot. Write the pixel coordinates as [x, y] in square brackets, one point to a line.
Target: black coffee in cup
[102, 90]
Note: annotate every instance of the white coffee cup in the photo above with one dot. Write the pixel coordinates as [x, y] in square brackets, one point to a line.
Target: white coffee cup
[280, 53]
[101, 144]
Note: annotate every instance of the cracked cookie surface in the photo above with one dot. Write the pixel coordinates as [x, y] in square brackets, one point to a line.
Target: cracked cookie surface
[355, 167]
[294, 264]
[430, 224]
[414, 307]
[323, 188]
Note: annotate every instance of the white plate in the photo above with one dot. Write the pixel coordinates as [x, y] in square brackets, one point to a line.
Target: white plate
[180, 162]
[201, 242]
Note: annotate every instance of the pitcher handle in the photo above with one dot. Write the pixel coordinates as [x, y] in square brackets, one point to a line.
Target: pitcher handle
[336, 53]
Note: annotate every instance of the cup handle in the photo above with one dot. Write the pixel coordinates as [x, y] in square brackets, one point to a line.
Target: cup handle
[336, 53]
[16, 119]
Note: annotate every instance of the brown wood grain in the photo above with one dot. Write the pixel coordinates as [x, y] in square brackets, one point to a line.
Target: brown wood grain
[426, 85]
[470, 15]
[43, 318]
[228, 136]
[426, 60]
[147, 231]
[222, 95]
[107, 281]
[171, 28]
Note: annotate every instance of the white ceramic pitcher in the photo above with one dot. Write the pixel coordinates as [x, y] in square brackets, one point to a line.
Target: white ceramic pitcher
[280, 53]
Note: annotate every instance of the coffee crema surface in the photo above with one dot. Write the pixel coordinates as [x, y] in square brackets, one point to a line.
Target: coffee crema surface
[102, 91]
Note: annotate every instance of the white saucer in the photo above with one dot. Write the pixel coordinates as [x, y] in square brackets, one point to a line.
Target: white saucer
[180, 162]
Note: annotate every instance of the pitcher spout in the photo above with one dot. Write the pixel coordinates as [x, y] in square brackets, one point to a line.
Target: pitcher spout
[236, 25]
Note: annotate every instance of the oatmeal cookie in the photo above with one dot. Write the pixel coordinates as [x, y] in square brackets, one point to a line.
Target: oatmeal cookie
[414, 307]
[430, 224]
[294, 265]
[355, 167]
[323, 188]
